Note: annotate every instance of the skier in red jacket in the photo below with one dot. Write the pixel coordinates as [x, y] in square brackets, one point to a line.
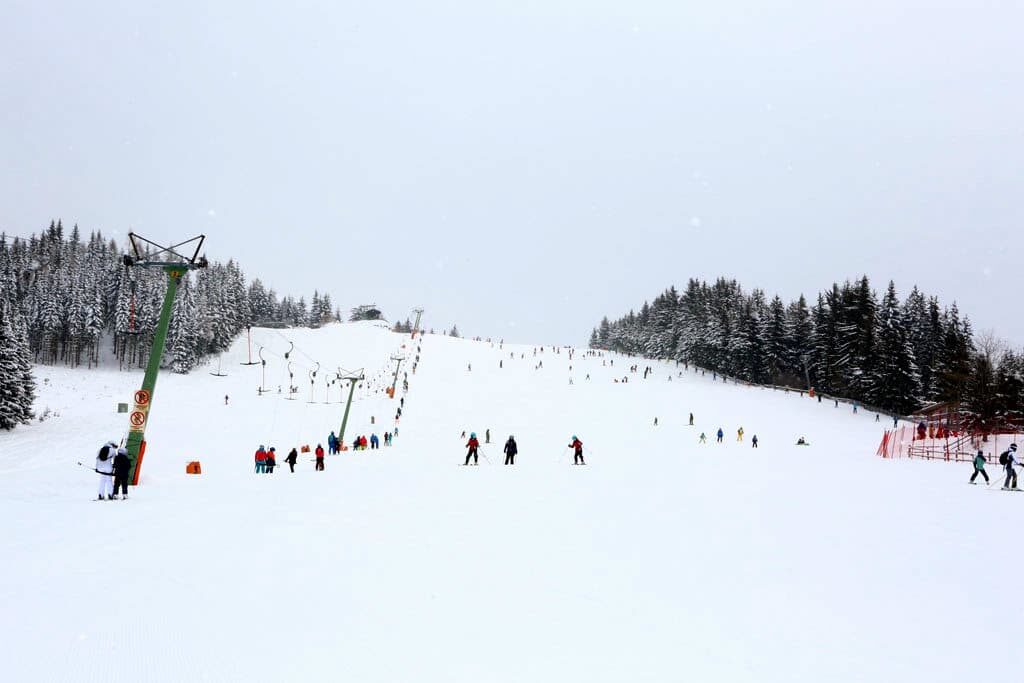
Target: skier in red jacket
[319, 452]
[472, 445]
[577, 447]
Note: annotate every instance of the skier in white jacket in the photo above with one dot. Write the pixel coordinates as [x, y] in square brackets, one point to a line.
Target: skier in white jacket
[105, 468]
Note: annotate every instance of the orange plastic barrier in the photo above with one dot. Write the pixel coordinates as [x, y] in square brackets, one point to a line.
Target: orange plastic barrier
[193, 468]
[305, 449]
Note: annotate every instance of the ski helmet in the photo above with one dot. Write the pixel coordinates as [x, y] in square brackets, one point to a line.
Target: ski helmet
[472, 435]
[122, 451]
[261, 447]
[1013, 446]
[573, 437]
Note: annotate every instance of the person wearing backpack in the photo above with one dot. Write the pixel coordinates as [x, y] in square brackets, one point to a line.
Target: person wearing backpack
[1008, 460]
[105, 468]
[979, 467]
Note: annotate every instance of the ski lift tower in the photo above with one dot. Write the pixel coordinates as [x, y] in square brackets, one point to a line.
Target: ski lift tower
[398, 363]
[416, 325]
[176, 264]
[352, 378]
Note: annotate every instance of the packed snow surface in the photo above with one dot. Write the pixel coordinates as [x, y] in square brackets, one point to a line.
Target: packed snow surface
[661, 560]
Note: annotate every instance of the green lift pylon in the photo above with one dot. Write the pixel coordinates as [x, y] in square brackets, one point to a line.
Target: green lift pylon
[175, 265]
[352, 378]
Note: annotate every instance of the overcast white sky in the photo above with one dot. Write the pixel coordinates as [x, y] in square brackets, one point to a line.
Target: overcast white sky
[522, 168]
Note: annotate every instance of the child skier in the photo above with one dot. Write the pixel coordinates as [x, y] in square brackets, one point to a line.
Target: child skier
[319, 453]
[271, 460]
[122, 467]
[105, 468]
[979, 467]
[472, 445]
[510, 451]
[577, 447]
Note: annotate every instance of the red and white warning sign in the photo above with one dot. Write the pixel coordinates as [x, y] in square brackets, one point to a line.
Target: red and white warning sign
[141, 397]
[137, 419]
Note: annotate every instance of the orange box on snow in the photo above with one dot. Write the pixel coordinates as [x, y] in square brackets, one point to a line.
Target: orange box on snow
[305, 449]
[193, 468]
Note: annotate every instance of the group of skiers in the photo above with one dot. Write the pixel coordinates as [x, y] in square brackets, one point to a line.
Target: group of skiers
[1007, 460]
[512, 449]
[266, 459]
[114, 465]
[720, 435]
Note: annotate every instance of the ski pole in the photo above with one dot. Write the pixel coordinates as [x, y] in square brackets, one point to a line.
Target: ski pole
[485, 456]
[109, 474]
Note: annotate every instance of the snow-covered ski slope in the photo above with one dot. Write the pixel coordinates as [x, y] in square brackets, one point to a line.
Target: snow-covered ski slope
[662, 560]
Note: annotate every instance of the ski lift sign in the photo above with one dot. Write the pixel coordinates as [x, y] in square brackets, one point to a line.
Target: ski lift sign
[137, 419]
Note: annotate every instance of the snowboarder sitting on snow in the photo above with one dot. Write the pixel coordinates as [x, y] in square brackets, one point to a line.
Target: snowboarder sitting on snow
[1008, 460]
[979, 467]
[105, 468]
[802, 442]
[261, 460]
[510, 451]
[577, 447]
[293, 457]
[319, 453]
[472, 445]
[122, 467]
[271, 460]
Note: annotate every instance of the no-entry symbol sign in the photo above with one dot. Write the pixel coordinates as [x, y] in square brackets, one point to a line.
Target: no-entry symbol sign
[141, 397]
[138, 418]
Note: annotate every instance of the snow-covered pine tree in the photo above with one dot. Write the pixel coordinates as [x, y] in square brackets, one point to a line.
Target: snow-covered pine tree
[16, 384]
[896, 383]
[183, 335]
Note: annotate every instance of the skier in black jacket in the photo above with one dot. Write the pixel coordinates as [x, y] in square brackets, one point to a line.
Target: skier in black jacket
[510, 451]
[122, 468]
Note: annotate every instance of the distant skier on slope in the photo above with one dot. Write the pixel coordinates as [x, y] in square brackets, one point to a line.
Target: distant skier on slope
[510, 451]
[319, 453]
[122, 467]
[753, 442]
[271, 460]
[261, 460]
[293, 457]
[577, 448]
[721, 434]
[105, 468]
[691, 419]
[703, 438]
[739, 434]
[472, 445]
[979, 467]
